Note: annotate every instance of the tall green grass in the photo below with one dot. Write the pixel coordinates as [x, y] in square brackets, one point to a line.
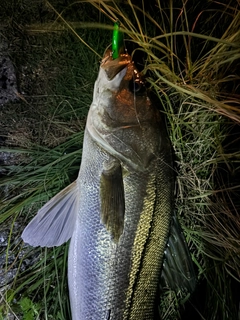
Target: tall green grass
[192, 60]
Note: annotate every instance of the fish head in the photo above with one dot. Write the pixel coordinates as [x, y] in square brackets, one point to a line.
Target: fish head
[120, 88]
[122, 118]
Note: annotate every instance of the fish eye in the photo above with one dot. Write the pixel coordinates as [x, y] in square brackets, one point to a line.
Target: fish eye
[136, 86]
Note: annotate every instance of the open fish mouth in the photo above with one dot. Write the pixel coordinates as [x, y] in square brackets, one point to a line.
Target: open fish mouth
[113, 66]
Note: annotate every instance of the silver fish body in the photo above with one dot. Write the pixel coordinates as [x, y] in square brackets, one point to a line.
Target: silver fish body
[118, 279]
[118, 212]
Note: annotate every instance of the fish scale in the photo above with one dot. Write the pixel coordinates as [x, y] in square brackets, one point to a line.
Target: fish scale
[109, 264]
[148, 252]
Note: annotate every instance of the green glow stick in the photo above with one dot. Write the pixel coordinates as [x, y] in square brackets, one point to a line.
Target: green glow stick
[117, 41]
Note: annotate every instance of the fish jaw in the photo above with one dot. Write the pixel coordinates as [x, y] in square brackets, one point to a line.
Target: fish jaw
[110, 74]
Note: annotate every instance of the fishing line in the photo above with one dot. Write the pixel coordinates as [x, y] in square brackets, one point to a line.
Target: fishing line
[134, 95]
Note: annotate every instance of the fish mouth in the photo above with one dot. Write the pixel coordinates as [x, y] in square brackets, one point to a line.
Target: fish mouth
[113, 66]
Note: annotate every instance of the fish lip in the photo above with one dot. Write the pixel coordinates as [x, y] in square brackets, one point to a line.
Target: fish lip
[113, 66]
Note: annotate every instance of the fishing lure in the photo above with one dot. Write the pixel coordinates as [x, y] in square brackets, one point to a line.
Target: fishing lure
[117, 41]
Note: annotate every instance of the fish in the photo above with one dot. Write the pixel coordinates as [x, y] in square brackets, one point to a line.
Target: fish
[119, 213]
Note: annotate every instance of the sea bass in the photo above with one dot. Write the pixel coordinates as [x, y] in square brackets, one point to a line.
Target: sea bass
[119, 211]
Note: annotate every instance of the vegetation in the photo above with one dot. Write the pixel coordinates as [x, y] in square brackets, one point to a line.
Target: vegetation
[191, 61]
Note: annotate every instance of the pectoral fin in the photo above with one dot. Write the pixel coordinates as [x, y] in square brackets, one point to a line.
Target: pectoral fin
[112, 198]
[178, 272]
[54, 223]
